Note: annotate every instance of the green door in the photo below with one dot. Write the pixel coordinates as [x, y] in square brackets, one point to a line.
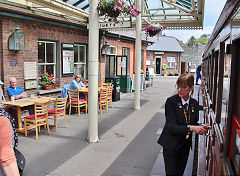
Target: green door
[122, 62]
[158, 65]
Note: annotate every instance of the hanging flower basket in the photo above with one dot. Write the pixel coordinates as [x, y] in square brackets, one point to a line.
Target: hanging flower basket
[152, 30]
[114, 8]
[112, 13]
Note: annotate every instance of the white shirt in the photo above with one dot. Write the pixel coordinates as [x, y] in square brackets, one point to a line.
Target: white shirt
[184, 102]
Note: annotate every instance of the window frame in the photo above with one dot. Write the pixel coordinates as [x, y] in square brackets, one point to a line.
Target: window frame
[85, 58]
[171, 62]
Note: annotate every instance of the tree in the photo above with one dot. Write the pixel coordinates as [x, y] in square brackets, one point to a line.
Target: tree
[191, 41]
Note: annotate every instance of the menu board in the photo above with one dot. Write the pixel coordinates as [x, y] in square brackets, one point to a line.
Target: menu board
[68, 62]
[30, 70]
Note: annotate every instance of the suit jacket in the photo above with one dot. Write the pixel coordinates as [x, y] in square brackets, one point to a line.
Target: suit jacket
[174, 133]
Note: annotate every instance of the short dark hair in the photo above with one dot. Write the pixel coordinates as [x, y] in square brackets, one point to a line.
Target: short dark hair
[187, 79]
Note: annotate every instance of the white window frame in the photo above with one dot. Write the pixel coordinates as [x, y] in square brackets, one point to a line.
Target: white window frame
[45, 58]
[79, 62]
[171, 62]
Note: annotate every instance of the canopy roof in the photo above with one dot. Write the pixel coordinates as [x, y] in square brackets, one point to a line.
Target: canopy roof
[174, 14]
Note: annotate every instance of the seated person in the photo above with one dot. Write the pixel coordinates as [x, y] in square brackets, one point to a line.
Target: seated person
[77, 84]
[18, 93]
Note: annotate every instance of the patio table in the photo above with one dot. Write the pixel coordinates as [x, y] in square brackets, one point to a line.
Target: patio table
[23, 103]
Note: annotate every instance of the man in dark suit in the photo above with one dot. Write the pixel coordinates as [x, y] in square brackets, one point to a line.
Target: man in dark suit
[182, 113]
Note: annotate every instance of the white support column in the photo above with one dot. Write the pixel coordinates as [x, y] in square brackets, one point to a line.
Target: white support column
[138, 56]
[93, 72]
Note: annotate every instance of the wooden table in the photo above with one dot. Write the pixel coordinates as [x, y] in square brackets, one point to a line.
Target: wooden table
[23, 103]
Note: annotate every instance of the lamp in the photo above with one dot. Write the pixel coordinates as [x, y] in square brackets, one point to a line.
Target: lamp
[105, 48]
[16, 40]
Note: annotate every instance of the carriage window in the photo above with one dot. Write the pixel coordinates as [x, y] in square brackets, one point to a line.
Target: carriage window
[226, 84]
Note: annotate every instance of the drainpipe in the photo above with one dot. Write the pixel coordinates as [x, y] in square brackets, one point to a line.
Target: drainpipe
[93, 48]
[138, 57]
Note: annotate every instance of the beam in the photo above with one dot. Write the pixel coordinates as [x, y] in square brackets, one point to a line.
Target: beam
[78, 2]
[85, 7]
[177, 6]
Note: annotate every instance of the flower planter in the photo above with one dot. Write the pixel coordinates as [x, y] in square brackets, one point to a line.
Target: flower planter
[47, 87]
[152, 33]
[111, 13]
[54, 86]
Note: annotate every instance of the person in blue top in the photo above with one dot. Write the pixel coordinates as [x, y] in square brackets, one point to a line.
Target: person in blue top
[75, 84]
[18, 93]
[198, 72]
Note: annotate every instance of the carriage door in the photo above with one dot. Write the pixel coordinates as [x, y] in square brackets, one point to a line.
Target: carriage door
[158, 65]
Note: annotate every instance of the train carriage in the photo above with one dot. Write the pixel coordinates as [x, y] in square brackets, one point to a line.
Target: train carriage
[221, 95]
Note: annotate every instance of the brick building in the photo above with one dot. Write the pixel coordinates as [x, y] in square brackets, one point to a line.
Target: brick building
[164, 56]
[48, 38]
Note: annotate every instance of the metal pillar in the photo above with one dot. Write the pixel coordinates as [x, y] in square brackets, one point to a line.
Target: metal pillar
[138, 57]
[93, 72]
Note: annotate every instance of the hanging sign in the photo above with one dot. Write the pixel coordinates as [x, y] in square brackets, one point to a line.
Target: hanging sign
[123, 24]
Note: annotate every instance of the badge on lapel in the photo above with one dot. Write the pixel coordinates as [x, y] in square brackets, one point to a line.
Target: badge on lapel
[180, 105]
[192, 107]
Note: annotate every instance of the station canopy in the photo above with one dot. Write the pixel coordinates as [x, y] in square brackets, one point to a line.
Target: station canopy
[174, 14]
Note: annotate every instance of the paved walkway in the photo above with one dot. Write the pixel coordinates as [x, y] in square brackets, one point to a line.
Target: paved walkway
[127, 143]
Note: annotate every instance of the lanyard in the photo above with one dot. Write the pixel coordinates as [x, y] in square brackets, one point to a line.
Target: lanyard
[185, 114]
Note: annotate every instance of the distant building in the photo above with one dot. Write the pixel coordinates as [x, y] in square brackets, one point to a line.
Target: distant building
[192, 57]
[164, 56]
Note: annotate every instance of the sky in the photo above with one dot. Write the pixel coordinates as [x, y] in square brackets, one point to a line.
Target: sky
[213, 9]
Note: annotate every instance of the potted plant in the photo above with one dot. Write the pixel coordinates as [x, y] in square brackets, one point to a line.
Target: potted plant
[152, 30]
[48, 81]
[114, 8]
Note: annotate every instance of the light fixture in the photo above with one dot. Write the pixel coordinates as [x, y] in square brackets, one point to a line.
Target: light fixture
[16, 40]
[105, 48]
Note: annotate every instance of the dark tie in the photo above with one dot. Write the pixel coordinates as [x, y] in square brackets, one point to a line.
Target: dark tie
[186, 106]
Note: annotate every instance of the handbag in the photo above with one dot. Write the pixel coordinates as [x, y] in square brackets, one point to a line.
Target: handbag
[20, 160]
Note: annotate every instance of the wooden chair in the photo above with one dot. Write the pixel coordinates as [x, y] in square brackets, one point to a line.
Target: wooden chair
[59, 112]
[102, 99]
[76, 102]
[110, 90]
[40, 118]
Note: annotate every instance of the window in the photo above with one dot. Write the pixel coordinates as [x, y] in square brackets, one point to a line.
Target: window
[170, 62]
[126, 52]
[142, 57]
[80, 60]
[47, 57]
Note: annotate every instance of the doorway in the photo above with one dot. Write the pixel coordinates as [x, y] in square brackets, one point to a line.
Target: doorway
[110, 66]
[158, 65]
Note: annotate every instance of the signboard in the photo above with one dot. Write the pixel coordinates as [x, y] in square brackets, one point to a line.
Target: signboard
[123, 24]
[32, 84]
[30, 70]
[148, 62]
[67, 59]
[158, 52]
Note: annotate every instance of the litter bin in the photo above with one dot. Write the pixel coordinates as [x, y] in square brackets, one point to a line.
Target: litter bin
[125, 83]
[115, 80]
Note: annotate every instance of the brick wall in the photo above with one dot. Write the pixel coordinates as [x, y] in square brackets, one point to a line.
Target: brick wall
[33, 32]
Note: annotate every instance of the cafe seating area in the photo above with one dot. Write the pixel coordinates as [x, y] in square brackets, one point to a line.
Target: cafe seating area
[51, 109]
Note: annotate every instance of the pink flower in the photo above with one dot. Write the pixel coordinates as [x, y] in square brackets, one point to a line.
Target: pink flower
[119, 5]
[164, 27]
[39, 77]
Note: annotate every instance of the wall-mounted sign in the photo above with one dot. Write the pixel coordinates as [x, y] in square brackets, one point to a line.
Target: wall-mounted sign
[31, 84]
[158, 52]
[148, 62]
[30, 70]
[67, 59]
[123, 24]
[13, 63]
